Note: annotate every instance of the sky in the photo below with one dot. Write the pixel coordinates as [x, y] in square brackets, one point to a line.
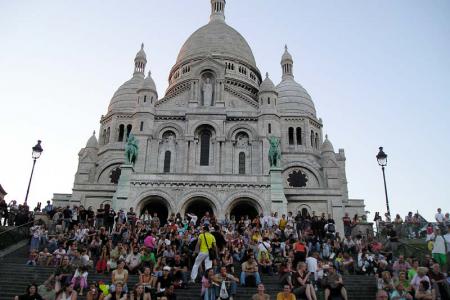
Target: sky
[378, 73]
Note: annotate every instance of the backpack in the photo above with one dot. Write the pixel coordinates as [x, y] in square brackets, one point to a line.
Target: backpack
[331, 227]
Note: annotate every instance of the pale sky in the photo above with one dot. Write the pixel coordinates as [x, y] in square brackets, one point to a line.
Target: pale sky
[378, 73]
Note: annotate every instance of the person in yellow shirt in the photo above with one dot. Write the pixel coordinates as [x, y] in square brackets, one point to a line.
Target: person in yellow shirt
[286, 294]
[283, 223]
[205, 242]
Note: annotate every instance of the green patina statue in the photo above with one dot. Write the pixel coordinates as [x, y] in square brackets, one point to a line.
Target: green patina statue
[131, 150]
[274, 152]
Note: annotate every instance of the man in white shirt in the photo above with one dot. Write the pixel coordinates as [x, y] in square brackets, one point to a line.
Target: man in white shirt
[438, 252]
[439, 216]
[311, 262]
[133, 261]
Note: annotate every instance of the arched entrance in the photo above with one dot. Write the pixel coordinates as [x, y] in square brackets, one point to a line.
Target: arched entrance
[244, 207]
[158, 205]
[199, 206]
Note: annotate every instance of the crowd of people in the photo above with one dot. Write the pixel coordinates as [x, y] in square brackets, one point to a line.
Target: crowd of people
[304, 253]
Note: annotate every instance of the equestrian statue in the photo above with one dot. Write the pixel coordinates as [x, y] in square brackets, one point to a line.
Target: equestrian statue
[131, 150]
[274, 152]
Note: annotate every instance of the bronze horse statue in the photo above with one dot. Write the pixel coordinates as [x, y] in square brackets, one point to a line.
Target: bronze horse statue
[131, 150]
[274, 152]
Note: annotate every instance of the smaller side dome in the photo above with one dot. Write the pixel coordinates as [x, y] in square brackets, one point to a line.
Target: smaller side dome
[92, 142]
[148, 84]
[327, 146]
[267, 85]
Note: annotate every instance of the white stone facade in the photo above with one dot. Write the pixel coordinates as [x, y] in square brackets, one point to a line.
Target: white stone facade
[204, 145]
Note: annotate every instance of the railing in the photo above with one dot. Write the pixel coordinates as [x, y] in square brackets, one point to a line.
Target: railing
[14, 234]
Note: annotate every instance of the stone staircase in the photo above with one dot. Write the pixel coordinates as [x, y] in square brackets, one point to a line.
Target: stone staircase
[15, 276]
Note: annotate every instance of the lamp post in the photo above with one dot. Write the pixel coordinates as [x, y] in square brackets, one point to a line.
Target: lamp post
[382, 161]
[37, 151]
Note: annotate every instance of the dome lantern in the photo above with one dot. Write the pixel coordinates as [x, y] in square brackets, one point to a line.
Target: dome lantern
[140, 61]
[287, 63]
[218, 10]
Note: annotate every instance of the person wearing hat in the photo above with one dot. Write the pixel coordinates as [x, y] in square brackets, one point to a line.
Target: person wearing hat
[164, 281]
[205, 243]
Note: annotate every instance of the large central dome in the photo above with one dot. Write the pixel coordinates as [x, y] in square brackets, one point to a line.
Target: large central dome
[217, 39]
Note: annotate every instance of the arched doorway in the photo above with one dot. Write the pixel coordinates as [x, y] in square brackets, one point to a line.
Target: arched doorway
[158, 205]
[244, 207]
[199, 206]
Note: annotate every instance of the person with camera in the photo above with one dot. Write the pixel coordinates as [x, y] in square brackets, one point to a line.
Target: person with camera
[302, 283]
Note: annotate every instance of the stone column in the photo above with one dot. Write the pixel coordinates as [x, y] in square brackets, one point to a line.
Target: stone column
[277, 198]
[120, 197]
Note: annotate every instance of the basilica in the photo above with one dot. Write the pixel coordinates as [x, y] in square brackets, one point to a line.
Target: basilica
[204, 145]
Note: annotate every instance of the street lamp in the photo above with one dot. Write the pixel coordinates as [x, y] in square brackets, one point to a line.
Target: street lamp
[382, 161]
[37, 151]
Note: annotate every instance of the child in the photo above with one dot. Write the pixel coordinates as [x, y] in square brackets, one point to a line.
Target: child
[80, 278]
[32, 259]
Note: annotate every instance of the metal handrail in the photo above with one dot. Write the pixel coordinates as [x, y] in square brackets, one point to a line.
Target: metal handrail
[16, 227]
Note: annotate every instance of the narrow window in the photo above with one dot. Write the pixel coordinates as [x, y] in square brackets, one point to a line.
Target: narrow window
[108, 133]
[312, 138]
[269, 128]
[104, 137]
[142, 126]
[167, 157]
[268, 100]
[121, 132]
[241, 163]
[317, 141]
[129, 127]
[205, 138]
[145, 98]
[299, 136]
[291, 135]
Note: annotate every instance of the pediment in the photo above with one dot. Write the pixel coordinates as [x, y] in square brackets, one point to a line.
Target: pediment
[209, 63]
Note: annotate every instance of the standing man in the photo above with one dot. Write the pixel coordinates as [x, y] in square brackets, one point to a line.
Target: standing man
[100, 217]
[205, 242]
[439, 216]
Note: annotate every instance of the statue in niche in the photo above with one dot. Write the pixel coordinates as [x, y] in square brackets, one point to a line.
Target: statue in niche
[169, 137]
[242, 140]
[207, 92]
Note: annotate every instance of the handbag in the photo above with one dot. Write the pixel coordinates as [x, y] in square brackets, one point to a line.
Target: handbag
[211, 251]
[223, 291]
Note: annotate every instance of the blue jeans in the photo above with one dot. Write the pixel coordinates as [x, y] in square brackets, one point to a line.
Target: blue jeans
[210, 294]
[244, 275]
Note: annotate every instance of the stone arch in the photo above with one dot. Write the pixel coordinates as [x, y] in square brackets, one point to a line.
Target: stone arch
[202, 196]
[243, 205]
[208, 64]
[106, 166]
[234, 130]
[155, 204]
[304, 208]
[196, 126]
[170, 126]
[146, 196]
[254, 198]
